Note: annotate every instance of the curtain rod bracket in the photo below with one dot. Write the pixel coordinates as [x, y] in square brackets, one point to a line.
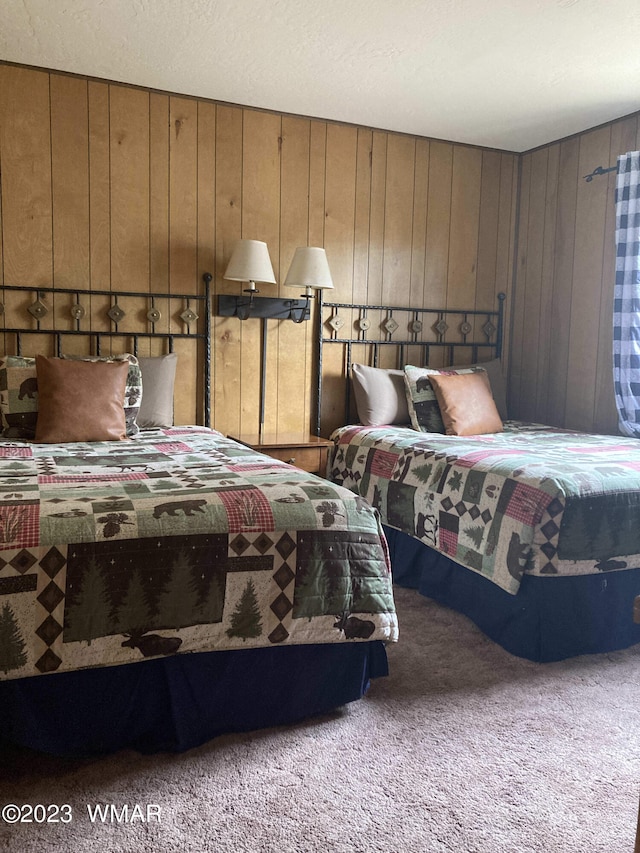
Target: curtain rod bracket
[599, 170]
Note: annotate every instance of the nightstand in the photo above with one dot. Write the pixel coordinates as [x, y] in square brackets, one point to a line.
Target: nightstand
[308, 452]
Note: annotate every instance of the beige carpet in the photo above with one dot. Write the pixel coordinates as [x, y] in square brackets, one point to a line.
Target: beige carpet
[463, 748]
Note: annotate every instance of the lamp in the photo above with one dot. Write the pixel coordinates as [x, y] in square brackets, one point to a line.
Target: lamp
[249, 262]
[309, 269]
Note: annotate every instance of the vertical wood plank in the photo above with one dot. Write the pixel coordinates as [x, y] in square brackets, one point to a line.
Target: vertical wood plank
[206, 229]
[26, 177]
[507, 224]
[340, 206]
[543, 368]
[398, 220]
[340, 196]
[70, 181]
[587, 283]
[295, 342]
[517, 309]
[129, 152]
[419, 223]
[488, 230]
[485, 298]
[260, 221]
[183, 204]
[562, 281]
[438, 225]
[226, 330]
[317, 182]
[99, 188]
[206, 187]
[228, 190]
[362, 215]
[376, 217]
[159, 195]
[317, 209]
[530, 329]
[465, 212]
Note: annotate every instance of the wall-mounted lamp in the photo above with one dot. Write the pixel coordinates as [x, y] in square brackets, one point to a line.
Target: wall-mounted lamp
[309, 269]
[249, 262]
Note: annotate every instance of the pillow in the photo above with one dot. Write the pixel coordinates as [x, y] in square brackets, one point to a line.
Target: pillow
[424, 410]
[158, 379]
[18, 396]
[80, 400]
[133, 393]
[380, 395]
[466, 403]
[496, 380]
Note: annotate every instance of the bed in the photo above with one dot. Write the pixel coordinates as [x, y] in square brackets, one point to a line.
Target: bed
[531, 531]
[172, 585]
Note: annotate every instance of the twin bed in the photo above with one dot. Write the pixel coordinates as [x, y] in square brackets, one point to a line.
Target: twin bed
[163, 589]
[531, 531]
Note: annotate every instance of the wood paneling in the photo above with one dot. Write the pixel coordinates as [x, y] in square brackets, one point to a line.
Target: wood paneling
[159, 194]
[561, 351]
[398, 221]
[438, 225]
[129, 187]
[464, 227]
[226, 342]
[118, 188]
[70, 181]
[99, 187]
[292, 385]
[419, 224]
[25, 148]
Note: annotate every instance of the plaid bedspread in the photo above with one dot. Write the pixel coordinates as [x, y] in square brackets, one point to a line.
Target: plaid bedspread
[179, 541]
[531, 499]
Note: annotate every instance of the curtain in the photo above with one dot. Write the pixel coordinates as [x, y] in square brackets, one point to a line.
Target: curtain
[626, 306]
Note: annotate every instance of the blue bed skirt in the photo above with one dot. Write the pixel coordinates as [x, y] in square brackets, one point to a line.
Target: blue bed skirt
[176, 703]
[551, 618]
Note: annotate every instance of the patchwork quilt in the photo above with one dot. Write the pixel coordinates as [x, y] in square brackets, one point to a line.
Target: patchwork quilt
[180, 540]
[531, 499]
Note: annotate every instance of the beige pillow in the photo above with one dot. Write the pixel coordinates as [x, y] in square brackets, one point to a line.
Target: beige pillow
[466, 403]
[80, 400]
[158, 379]
[380, 395]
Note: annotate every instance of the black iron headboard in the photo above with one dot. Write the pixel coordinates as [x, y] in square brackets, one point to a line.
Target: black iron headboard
[195, 324]
[379, 326]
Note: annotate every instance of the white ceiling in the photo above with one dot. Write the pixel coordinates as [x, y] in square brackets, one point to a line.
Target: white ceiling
[509, 74]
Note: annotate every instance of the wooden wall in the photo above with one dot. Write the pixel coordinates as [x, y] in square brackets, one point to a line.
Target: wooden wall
[105, 186]
[561, 355]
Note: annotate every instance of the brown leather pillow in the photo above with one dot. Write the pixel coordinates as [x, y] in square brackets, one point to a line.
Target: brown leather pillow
[80, 400]
[466, 403]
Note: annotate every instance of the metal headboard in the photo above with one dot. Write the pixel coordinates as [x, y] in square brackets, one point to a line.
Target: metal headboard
[446, 329]
[196, 323]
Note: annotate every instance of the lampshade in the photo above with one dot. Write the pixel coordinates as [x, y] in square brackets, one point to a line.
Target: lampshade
[250, 261]
[309, 268]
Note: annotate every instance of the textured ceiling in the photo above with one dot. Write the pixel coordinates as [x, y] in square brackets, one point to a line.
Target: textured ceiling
[509, 74]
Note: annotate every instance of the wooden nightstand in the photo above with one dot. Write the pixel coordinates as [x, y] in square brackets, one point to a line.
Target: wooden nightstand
[308, 452]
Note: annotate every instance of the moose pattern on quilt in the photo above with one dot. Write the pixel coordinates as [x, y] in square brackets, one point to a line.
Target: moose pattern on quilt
[178, 541]
[532, 499]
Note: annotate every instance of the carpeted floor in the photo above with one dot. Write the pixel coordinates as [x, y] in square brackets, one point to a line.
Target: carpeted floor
[463, 748]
